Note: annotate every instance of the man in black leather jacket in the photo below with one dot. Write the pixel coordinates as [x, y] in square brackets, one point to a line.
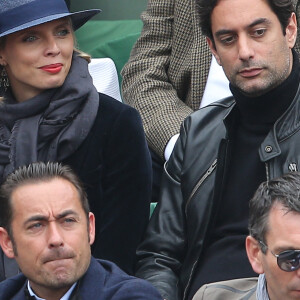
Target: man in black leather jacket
[227, 149]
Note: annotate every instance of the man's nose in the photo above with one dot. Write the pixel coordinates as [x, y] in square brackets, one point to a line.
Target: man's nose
[55, 238]
[245, 48]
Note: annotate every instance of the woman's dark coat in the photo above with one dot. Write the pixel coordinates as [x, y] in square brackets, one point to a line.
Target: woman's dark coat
[114, 164]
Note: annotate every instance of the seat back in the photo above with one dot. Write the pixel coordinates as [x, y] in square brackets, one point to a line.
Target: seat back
[105, 77]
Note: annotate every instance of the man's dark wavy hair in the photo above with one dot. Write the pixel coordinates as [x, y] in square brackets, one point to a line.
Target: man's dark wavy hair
[282, 8]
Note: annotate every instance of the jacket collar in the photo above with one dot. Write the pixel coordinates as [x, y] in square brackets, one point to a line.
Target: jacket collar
[285, 126]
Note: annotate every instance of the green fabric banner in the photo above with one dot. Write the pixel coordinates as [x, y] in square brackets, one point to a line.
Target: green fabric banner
[112, 39]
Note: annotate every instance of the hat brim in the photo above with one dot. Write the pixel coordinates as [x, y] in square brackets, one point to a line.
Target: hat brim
[78, 19]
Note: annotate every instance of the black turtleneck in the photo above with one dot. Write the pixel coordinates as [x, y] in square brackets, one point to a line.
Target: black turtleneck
[225, 255]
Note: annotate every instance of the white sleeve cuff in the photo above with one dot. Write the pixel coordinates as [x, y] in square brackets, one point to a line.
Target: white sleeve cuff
[170, 146]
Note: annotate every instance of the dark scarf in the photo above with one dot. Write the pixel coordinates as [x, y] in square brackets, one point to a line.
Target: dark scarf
[49, 126]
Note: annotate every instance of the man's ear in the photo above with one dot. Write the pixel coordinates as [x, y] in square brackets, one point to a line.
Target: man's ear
[91, 228]
[291, 31]
[6, 243]
[254, 254]
[213, 49]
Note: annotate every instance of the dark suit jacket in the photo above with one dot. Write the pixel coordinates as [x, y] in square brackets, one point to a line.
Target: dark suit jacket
[102, 281]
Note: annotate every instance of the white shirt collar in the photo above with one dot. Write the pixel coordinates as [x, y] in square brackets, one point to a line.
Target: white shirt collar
[65, 297]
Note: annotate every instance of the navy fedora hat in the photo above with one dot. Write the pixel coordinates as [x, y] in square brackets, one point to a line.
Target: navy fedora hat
[16, 15]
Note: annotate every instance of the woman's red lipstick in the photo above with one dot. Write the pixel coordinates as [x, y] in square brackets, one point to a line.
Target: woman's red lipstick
[53, 69]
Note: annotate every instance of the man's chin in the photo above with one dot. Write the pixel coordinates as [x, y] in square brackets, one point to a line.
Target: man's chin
[253, 91]
[60, 281]
[54, 282]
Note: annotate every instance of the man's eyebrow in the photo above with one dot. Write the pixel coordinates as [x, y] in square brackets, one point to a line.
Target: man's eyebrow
[260, 21]
[254, 23]
[66, 213]
[223, 32]
[46, 218]
[35, 218]
[282, 249]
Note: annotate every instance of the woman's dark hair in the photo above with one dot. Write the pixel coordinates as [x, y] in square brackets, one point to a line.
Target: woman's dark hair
[282, 8]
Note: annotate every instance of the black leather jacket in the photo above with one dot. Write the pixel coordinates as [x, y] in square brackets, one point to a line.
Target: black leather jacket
[191, 186]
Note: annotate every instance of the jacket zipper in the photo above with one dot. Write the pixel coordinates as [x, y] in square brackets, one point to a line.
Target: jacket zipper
[189, 281]
[201, 180]
[267, 172]
[208, 172]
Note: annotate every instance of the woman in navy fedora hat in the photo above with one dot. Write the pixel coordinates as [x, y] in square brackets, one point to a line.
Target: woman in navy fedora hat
[50, 111]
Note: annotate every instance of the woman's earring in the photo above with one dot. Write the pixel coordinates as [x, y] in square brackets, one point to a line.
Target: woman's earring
[4, 82]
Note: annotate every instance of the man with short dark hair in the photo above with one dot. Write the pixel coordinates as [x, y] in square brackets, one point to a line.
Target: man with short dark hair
[225, 150]
[272, 246]
[46, 225]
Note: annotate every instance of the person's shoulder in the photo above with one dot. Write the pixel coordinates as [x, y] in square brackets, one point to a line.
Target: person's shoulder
[113, 106]
[214, 112]
[244, 288]
[111, 271]
[136, 289]
[124, 285]
[120, 116]
[10, 287]
[215, 108]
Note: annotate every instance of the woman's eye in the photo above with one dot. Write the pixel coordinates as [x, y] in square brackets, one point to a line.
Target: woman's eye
[63, 32]
[30, 38]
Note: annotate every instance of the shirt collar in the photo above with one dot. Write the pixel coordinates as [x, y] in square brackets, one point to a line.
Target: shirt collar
[65, 297]
[261, 291]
